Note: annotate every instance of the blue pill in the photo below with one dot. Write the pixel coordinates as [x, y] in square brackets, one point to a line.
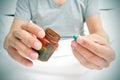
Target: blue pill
[75, 37]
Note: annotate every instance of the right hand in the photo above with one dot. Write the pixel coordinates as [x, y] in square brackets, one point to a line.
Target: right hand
[20, 43]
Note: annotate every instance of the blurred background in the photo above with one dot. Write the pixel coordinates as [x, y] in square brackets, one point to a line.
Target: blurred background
[110, 15]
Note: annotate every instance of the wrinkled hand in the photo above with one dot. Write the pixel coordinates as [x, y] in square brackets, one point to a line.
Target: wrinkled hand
[20, 43]
[93, 51]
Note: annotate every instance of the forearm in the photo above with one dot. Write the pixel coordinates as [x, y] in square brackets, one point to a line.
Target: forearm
[95, 27]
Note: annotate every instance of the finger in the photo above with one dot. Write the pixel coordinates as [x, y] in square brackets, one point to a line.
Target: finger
[89, 56]
[15, 55]
[83, 61]
[34, 29]
[97, 39]
[27, 39]
[23, 49]
[95, 48]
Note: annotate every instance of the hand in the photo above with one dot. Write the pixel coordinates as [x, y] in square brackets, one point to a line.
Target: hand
[20, 43]
[93, 51]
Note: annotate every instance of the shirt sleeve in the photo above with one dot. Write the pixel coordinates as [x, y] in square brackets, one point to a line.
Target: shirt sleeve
[91, 8]
[23, 10]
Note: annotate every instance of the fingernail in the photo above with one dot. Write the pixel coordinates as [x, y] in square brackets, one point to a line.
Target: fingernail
[34, 56]
[41, 34]
[37, 45]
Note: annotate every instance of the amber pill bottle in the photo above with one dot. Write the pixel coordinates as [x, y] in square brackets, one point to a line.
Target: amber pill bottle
[49, 44]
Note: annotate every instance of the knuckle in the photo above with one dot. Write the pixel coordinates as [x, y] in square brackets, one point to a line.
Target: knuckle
[17, 34]
[85, 43]
[91, 57]
[11, 51]
[16, 31]
[26, 51]
[107, 65]
[15, 43]
[11, 42]
[88, 65]
[85, 63]
[13, 56]
[113, 56]
[22, 61]
[30, 41]
[27, 26]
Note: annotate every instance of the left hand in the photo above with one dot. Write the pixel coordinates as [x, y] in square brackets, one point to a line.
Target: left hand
[93, 51]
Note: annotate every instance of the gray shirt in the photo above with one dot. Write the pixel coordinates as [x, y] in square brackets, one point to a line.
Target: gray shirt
[67, 20]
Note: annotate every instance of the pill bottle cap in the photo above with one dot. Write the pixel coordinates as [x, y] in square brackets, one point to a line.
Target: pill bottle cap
[51, 35]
